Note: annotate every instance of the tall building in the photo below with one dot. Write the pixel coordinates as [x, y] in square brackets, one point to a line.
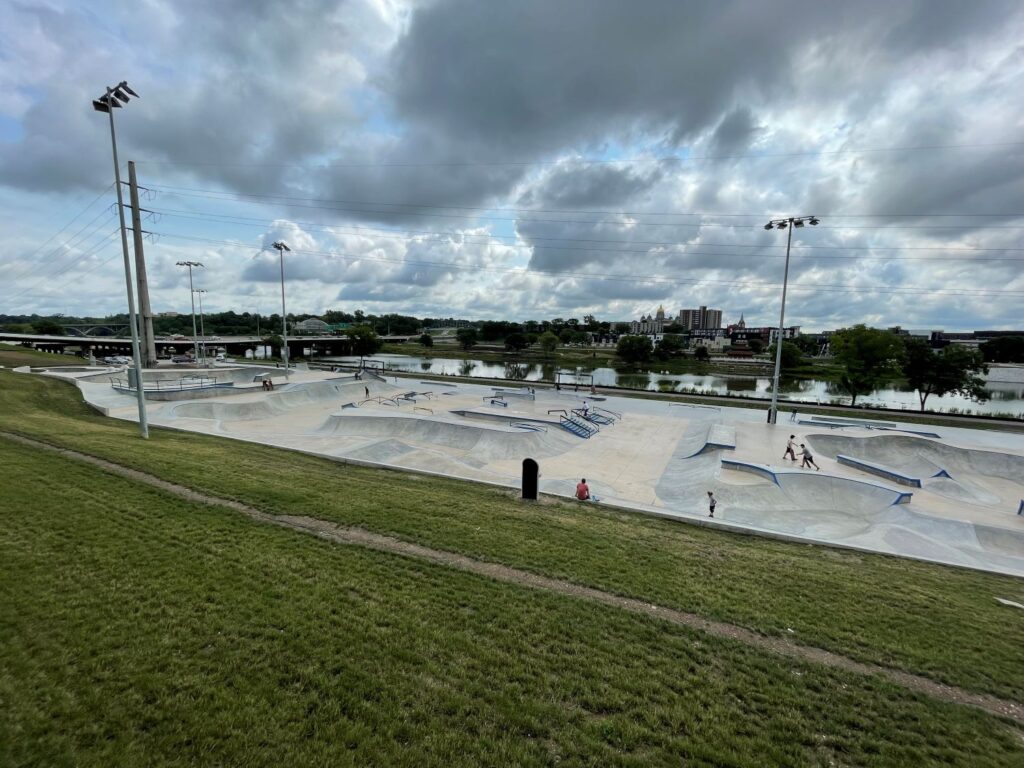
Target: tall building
[692, 319]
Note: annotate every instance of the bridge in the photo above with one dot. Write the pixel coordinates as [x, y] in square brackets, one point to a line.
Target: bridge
[236, 345]
[95, 329]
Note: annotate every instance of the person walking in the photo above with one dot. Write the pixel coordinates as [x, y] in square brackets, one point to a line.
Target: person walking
[367, 391]
[712, 503]
[790, 448]
[808, 461]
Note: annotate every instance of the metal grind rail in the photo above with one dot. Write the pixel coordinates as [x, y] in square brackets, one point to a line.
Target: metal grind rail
[169, 385]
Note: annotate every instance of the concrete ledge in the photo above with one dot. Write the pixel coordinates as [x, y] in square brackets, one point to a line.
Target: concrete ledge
[773, 474]
[881, 471]
[722, 437]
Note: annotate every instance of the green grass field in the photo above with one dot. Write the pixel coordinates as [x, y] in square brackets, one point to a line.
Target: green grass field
[136, 628]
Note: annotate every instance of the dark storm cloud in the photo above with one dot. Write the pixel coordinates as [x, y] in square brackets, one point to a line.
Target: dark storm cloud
[735, 132]
[581, 185]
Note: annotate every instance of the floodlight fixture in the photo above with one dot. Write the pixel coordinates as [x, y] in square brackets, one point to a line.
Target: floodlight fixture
[281, 247]
[123, 85]
[106, 104]
[795, 221]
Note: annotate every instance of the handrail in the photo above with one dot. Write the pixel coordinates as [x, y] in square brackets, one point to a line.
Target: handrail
[608, 411]
[161, 385]
[557, 410]
[421, 408]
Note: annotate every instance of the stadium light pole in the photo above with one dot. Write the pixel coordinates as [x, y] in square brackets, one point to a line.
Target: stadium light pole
[192, 295]
[788, 224]
[281, 247]
[115, 98]
[202, 325]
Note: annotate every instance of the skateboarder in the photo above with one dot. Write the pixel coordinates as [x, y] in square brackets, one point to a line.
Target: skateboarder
[585, 409]
[790, 448]
[712, 503]
[808, 461]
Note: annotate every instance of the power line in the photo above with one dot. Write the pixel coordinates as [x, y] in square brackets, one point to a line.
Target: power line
[826, 287]
[490, 240]
[83, 255]
[598, 161]
[757, 216]
[239, 197]
[79, 276]
[68, 242]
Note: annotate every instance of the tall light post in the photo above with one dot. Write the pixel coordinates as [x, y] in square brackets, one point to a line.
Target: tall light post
[788, 224]
[114, 98]
[281, 247]
[192, 295]
[202, 326]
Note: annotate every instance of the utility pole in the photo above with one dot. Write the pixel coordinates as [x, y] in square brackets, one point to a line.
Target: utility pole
[192, 296]
[148, 341]
[202, 325]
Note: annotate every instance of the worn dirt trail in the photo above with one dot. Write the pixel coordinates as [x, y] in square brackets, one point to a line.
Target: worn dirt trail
[360, 537]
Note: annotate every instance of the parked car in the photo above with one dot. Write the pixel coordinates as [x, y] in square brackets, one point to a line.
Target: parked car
[181, 359]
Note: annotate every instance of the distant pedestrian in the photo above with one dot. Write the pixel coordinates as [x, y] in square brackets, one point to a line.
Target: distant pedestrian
[712, 503]
[790, 448]
[367, 390]
[808, 461]
[792, 415]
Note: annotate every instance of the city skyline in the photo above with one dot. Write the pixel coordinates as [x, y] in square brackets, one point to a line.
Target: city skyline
[613, 169]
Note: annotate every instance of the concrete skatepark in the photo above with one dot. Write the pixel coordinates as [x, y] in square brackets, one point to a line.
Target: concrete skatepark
[943, 494]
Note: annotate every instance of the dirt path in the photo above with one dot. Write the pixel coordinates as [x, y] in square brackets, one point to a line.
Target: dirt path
[363, 538]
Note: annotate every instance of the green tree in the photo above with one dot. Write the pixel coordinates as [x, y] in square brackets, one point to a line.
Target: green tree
[701, 353]
[364, 339]
[427, 340]
[634, 349]
[516, 342]
[48, 327]
[869, 358]
[791, 355]
[1004, 349]
[275, 342]
[467, 337]
[950, 371]
[671, 344]
[757, 346]
[548, 342]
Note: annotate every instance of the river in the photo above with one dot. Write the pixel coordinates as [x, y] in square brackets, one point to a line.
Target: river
[1006, 384]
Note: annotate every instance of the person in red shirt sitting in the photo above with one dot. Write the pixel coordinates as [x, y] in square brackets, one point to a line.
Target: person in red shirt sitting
[583, 490]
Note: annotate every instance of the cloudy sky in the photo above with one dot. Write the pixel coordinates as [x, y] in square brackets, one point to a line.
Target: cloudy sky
[523, 160]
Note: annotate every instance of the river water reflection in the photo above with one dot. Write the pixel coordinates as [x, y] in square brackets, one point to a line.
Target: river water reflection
[1007, 397]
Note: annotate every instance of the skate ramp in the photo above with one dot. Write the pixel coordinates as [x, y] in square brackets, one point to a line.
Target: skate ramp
[273, 404]
[945, 470]
[486, 442]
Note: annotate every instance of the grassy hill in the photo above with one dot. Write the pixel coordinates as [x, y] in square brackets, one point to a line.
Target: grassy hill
[138, 627]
